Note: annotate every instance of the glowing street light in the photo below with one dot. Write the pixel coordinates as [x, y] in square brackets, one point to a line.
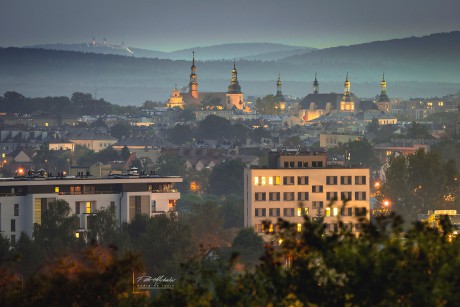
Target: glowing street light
[386, 203]
[377, 184]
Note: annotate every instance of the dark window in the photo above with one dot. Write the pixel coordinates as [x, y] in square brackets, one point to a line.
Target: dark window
[260, 196]
[274, 211]
[288, 180]
[360, 180]
[77, 207]
[288, 211]
[345, 180]
[317, 205]
[288, 196]
[13, 225]
[299, 164]
[16, 209]
[291, 164]
[274, 196]
[286, 164]
[302, 196]
[261, 211]
[345, 195]
[360, 195]
[302, 180]
[317, 189]
[331, 180]
[331, 196]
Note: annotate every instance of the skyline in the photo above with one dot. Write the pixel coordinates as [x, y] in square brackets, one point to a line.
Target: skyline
[177, 24]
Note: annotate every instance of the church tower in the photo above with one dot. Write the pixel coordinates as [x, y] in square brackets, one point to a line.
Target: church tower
[279, 94]
[347, 104]
[235, 99]
[175, 100]
[315, 86]
[193, 85]
[383, 102]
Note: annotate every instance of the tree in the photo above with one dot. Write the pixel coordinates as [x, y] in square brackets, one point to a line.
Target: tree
[108, 155]
[57, 228]
[247, 238]
[232, 210]
[269, 105]
[293, 142]
[120, 130]
[381, 267]
[416, 130]
[226, 178]
[373, 126]
[213, 127]
[125, 153]
[210, 102]
[170, 164]
[187, 115]
[84, 156]
[104, 228]
[180, 134]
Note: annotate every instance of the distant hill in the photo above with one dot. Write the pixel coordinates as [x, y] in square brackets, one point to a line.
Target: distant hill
[431, 57]
[414, 67]
[261, 51]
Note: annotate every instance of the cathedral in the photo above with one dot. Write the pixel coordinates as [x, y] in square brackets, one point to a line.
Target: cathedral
[232, 99]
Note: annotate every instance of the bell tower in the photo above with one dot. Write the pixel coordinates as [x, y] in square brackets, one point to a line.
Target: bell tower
[347, 104]
[193, 85]
[315, 86]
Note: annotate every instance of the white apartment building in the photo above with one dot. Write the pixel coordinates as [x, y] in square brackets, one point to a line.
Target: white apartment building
[299, 183]
[23, 199]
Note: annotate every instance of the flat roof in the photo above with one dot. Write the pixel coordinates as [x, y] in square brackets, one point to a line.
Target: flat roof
[25, 181]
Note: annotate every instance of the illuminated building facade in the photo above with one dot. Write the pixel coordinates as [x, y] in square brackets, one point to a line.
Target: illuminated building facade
[23, 200]
[298, 183]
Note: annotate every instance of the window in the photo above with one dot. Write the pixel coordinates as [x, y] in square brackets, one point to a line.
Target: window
[256, 181]
[286, 164]
[360, 211]
[360, 180]
[276, 180]
[335, 211]
[291, 164]
[77, 207]
[305, 211]
[317, 189]
[270, 180]
[16, 209]
[302, 180]
[288, 211]
[345, 195]
[153, 205]
[317, 164]
[346, 211]
[260, 196]
[317, 205]
[331, 180]
[331, 196]
[299, 164]
[88, 207]
[288, 180]
[264, 182]
[13, 225]
[259, 228]
[345, 180]
[274, 196]
[274, 211]
[56, 189]
[261, 212]
[360, 195]
[299, 227]
[288, 196]
[13, 239]
[302, 196]
[305, 164]
[328, 211]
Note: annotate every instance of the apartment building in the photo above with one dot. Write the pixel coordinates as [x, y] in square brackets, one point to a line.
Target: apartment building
[298, 183]
[23, 199]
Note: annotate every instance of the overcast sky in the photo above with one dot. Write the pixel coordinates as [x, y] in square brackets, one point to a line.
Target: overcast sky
[176, 24]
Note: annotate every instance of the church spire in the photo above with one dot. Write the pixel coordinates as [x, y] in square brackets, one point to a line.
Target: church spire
[279, 83]
[234, 86]
[193, 85]
[383, 85]
[346, 86]
[315, 86]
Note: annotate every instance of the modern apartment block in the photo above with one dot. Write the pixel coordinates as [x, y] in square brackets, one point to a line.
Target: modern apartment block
[298, 183]
[23, 199]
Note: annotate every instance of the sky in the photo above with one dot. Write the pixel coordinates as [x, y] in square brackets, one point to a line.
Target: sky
[168, 25]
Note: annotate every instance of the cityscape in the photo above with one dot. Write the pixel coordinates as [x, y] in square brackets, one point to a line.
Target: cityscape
[191, 166]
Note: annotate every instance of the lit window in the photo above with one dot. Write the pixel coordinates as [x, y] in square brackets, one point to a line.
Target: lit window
[306, 210]
[270, 180]
[440, 103]
[335, 211]
[328, 211]
[263, 181]
[299, 227]
[56, 189]
[299, 211]
[88, 207]
[277, 180]
[256, 180]
[388, 152]
[271, 228]
[46, 124]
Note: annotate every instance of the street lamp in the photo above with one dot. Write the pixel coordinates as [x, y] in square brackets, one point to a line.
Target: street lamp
[386, 203]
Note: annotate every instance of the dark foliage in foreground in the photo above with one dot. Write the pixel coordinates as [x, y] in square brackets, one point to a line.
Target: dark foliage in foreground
[383, 267]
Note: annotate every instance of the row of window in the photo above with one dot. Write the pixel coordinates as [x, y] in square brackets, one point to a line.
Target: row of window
[275, 212]
[302, 164]
[303, 180]
[301, 196]
[261, 228]
[290, 212]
